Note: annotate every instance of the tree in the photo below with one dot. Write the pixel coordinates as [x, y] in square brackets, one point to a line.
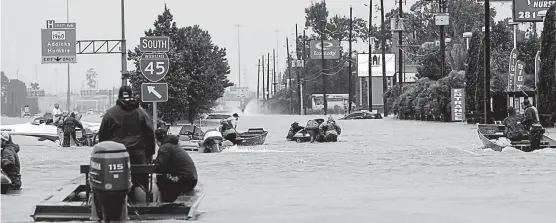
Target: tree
[471, 73]
[5, 81]
[35, 86]
[547, 76]
[197, 74]
[91, 77]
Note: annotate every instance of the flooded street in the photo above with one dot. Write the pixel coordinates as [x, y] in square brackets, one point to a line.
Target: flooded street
[379, 171]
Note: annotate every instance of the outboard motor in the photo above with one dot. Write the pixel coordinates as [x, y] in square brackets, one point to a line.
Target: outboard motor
[535, 136]
[110, 180]
[6, 183]
[212, 140]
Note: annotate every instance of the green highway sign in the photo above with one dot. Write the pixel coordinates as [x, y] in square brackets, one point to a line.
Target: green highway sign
[154, 92]
[58, 43]
[527, 10]
[154, 44]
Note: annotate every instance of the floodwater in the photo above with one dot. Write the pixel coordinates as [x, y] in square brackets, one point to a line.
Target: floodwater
[380, 171]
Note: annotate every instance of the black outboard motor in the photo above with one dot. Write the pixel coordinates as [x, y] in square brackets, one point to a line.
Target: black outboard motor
[535, 136]
[110, 180]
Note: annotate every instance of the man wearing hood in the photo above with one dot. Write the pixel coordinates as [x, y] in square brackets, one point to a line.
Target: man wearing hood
[179, 174]
[127, 124]
[10, 160]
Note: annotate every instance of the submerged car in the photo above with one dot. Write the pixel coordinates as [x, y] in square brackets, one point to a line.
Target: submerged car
[362, 115]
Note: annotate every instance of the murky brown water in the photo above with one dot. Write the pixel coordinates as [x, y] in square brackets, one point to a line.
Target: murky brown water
[380, 171]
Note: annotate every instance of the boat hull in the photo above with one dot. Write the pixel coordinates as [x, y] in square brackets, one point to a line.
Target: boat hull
[69, 203]
[487, 133]
[252, 137]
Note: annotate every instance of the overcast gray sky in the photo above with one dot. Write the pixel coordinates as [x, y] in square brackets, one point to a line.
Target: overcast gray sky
[22, 21]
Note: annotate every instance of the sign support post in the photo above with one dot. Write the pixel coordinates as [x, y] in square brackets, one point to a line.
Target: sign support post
[154, 64]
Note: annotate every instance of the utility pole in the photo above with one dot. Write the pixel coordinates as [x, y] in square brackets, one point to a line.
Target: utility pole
[277, 62]
[369, 63]
[289, 74]
[297, 56]
[487, 62]
[263, 80]
[68, 96]
[383, 30]
[350, 58]
[258, 79]
[305, 70]
[238, 57]
[268, 76]
[442, 42]
[400, 43]
[274, 72]
[323, 65]
[125, 73]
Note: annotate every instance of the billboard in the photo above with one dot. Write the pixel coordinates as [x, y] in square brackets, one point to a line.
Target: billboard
[519, 73]
[331, 49]
[363, 66]
[527, 10]
[458, 104]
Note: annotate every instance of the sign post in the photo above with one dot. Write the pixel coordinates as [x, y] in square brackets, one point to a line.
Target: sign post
[154, 64]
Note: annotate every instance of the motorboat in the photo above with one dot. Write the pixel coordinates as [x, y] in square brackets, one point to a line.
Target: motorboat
[492, 136]
[72, 202]
[253, 137]
[362, 115]
[43, 129]
[192, 138]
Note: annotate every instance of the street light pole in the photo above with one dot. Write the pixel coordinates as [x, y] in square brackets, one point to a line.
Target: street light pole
[487, 62]
[350, 58]
[369, 63]
[123, 44]
[68, 97]
[383, 30]
[400, 43]
[238, 57]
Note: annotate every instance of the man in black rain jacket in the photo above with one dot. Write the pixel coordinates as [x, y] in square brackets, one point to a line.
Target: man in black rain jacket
[127, 124]
[179, 174]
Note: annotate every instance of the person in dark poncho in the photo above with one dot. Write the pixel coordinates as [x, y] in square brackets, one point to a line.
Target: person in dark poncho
[10, 161]
[179, 174]
[514, 129]
[127, 124]
[70, 123]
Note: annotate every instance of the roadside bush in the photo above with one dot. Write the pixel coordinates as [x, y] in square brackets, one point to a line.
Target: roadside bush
[426, 100]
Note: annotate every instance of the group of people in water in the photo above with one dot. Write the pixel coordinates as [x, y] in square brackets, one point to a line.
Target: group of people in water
[319, 131]
[67, 123]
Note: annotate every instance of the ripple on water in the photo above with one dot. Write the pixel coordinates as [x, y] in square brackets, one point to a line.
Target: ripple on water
[379, 171]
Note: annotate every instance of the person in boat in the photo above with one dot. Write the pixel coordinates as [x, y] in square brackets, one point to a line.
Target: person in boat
[177, 170]
[329, 130]
[125, 123]
[514, 128]
[312, 128]
[531, 115]
[69, 125]
[532, 124]
[58, 121]
[10, 160]
[294, 128]
[228, 128]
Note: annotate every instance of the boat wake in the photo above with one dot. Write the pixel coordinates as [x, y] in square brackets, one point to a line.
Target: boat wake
[236, 149]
